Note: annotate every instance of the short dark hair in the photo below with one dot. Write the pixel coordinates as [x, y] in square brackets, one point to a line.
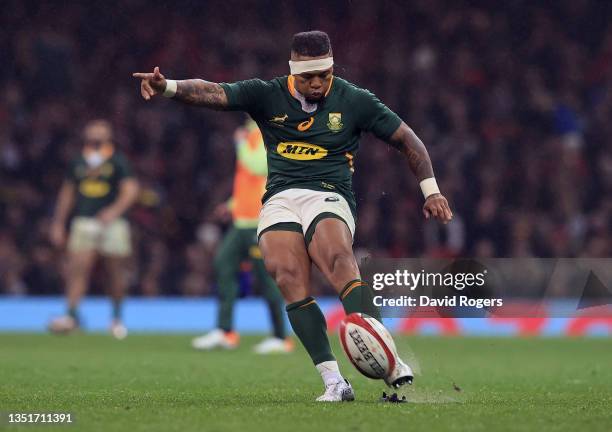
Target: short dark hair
[311, 43]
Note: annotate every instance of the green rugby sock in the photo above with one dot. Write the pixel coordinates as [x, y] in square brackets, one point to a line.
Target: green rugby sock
[356, 296]
[309, 325]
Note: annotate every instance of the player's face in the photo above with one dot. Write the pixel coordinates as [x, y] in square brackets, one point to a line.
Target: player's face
[312, 85]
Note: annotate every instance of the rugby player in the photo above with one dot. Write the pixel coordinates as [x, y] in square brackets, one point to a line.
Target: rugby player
[98, 190]
[311, 121]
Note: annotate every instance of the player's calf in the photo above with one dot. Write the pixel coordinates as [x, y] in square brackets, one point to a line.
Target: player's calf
[309, 325]
[357, 297]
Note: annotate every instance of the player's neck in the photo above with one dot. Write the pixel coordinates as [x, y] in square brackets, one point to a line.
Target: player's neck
[308, 107]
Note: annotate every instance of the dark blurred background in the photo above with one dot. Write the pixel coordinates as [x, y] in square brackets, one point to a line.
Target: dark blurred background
[513, 100]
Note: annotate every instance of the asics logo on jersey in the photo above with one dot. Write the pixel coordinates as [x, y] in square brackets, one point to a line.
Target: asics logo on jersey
[332, 199]
[305, 125]
[300, 151]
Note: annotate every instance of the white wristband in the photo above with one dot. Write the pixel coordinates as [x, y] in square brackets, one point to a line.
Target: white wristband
[429, 186]
[171, 87]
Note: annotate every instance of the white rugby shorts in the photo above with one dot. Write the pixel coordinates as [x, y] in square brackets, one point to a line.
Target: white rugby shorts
[87, 233]
[302, 206]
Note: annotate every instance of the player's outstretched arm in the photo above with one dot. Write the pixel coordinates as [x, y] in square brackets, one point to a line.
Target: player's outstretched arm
[408, 143]
[192, 91]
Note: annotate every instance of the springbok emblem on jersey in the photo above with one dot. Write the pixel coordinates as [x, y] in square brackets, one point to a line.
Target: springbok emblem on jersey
[279, 119]
[334, 122]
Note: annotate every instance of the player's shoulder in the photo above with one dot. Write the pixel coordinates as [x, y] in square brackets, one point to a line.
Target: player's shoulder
[279, 83]
[347, 89]
[274, 83]
[255, 84]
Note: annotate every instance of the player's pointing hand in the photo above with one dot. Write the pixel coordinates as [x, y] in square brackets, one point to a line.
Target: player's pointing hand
[437, 206]
[151, 83]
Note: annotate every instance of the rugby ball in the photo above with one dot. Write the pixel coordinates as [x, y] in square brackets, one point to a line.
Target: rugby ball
[368, 345]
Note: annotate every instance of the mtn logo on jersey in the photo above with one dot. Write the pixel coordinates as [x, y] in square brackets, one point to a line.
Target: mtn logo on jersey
[300, 151]
[93, 188]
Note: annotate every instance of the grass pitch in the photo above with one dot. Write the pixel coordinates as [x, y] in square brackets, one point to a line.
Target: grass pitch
[158, 383]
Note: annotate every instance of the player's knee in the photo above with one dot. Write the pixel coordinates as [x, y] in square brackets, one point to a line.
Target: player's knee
[285, 273]
[292, 285]
[287, 277]
[271, 265]
[119, 281]
[77, 269]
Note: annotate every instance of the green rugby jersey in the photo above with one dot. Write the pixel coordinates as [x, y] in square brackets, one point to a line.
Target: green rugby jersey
[311, 150]
[99, 187]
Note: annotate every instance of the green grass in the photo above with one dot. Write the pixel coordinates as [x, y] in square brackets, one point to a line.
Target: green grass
[157, 383]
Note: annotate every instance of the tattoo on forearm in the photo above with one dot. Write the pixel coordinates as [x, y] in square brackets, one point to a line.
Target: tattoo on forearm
[414, 149]
[201, 93]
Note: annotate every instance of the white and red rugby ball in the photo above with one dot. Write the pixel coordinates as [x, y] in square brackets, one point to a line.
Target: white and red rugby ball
[368, 345]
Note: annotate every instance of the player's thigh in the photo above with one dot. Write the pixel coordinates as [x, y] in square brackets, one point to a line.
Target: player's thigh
[287, 261]
[84, 236]
[331, 249]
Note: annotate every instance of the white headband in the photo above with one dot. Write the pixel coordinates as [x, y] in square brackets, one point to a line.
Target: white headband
[299, 67]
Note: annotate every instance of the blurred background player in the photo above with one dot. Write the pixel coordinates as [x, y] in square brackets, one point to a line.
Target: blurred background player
[240, 243]
[98, 190]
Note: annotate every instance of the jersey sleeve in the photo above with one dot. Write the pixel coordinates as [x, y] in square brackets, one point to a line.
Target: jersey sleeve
[376, 117]
[246, 95]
